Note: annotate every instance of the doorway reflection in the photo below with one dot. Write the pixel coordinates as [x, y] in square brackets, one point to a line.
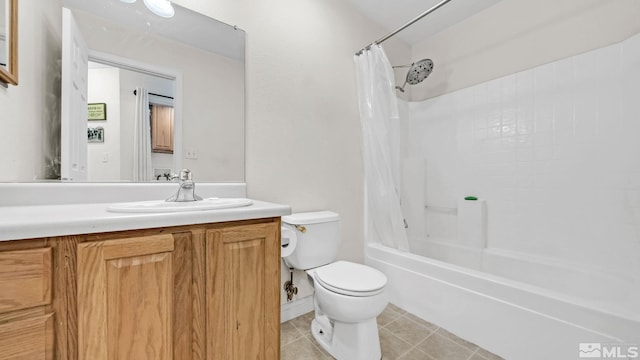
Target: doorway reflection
[112, 159]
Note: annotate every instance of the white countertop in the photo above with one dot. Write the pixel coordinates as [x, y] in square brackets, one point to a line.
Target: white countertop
[35, 221]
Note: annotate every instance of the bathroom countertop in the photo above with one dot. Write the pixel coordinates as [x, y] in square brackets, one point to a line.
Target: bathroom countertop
[35, 221]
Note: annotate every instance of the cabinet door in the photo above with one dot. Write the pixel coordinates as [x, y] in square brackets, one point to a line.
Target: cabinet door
[25, 283]
[30, 338]
[243, 296]
[126, 301]
[25, 279]
[162, 129]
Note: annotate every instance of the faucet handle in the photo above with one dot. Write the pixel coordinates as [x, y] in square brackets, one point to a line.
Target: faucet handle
[185, 174]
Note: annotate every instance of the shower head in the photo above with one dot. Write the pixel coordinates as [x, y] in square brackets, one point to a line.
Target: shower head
[418, 71]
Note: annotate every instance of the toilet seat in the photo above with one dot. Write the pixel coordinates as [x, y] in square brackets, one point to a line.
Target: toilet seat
[350, 279]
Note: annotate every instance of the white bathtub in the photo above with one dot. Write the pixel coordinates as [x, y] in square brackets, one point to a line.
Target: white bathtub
[510, 318]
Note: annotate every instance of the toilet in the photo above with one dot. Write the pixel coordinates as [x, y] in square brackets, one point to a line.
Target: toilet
[347, 296]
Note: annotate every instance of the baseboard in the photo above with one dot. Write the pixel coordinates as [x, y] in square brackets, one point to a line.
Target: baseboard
[292, 310]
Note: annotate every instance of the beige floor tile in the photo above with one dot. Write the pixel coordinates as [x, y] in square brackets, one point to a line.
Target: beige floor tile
[486, 355]
[302, 349]
[441, 348]
[458, 340]
[403, 336]
[315, 343]
[288, 333]
[392, 347]
[408, 330]
[414, 354]
[387, 316]
[303, 323]
[475, 356]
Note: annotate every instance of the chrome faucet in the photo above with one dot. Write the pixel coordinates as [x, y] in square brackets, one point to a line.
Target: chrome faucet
[187, 189]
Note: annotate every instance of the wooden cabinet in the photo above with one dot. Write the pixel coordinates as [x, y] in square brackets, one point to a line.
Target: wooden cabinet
[243, 277]
[162, 128]
[198, 292]
[125, 298]
[26, 321]
[191, 292]
[30, 338]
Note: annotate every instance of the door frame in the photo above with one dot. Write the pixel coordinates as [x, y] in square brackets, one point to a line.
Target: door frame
[158, 71]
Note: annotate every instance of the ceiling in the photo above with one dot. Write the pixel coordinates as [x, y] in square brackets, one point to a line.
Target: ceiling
[389, 14]
[393, 14]
[186, 26]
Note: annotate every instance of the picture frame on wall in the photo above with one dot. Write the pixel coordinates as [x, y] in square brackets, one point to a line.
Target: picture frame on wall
[95, 135]
[97, 111]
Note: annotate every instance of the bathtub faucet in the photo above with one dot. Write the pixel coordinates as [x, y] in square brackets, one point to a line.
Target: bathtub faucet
[187, 189]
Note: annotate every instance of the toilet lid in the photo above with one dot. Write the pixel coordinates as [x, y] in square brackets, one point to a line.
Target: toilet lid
[351, 279]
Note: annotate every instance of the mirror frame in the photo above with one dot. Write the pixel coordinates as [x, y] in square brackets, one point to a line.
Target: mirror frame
[10, 75]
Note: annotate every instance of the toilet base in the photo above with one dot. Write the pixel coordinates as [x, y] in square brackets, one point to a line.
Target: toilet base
[347, 341]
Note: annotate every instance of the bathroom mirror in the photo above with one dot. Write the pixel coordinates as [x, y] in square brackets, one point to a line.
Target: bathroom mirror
[205, 59]
[9, 41]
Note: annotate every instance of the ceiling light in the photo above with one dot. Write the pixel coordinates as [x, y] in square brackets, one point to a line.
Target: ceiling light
[161, 8]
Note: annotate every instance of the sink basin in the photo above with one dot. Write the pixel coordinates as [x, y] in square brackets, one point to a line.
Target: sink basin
[161, 206]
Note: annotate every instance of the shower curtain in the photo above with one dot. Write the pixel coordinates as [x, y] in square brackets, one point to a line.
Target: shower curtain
[142, 170]
[378, 114]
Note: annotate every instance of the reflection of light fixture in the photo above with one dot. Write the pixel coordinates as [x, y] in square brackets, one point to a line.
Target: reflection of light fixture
[161, 8]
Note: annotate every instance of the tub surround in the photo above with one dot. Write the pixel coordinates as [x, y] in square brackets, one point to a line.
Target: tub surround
[553, 150]
[552, 262]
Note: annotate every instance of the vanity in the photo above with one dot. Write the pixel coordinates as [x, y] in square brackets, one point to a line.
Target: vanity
[80, 282]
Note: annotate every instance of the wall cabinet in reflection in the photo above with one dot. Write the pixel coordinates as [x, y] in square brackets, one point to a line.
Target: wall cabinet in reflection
[162, 129]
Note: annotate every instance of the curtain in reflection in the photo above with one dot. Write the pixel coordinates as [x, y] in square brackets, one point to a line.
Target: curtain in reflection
[142, 170]
[378, 116]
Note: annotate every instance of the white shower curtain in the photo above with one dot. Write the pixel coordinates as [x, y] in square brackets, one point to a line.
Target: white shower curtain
[142, 170]
[378, 114]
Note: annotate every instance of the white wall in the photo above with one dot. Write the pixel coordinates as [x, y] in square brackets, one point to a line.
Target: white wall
[303, 138]
[553, 150]
[515, 35]
[103, 86]
[30, 112]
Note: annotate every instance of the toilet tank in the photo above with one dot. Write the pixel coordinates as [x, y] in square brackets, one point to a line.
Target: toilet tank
[317, 238]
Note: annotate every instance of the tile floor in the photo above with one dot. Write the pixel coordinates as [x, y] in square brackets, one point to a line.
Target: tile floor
[403, 336]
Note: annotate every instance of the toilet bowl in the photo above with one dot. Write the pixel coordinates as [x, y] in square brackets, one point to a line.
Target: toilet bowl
[347, 296]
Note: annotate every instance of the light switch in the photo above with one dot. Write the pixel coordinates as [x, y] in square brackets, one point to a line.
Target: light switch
[191, 154]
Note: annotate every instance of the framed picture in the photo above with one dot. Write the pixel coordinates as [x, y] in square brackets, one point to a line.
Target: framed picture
[97, 111]
[95, 135]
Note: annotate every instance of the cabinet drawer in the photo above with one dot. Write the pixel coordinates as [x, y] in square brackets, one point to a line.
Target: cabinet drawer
[25, 279]
[30, 339]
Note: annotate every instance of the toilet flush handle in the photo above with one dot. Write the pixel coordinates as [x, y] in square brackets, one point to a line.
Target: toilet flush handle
[301, 228]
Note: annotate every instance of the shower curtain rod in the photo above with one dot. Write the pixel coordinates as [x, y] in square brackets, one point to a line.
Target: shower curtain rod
[383, 39]
[135, 92]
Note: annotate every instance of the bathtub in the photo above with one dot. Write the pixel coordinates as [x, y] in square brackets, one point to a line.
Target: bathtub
[513, 319]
